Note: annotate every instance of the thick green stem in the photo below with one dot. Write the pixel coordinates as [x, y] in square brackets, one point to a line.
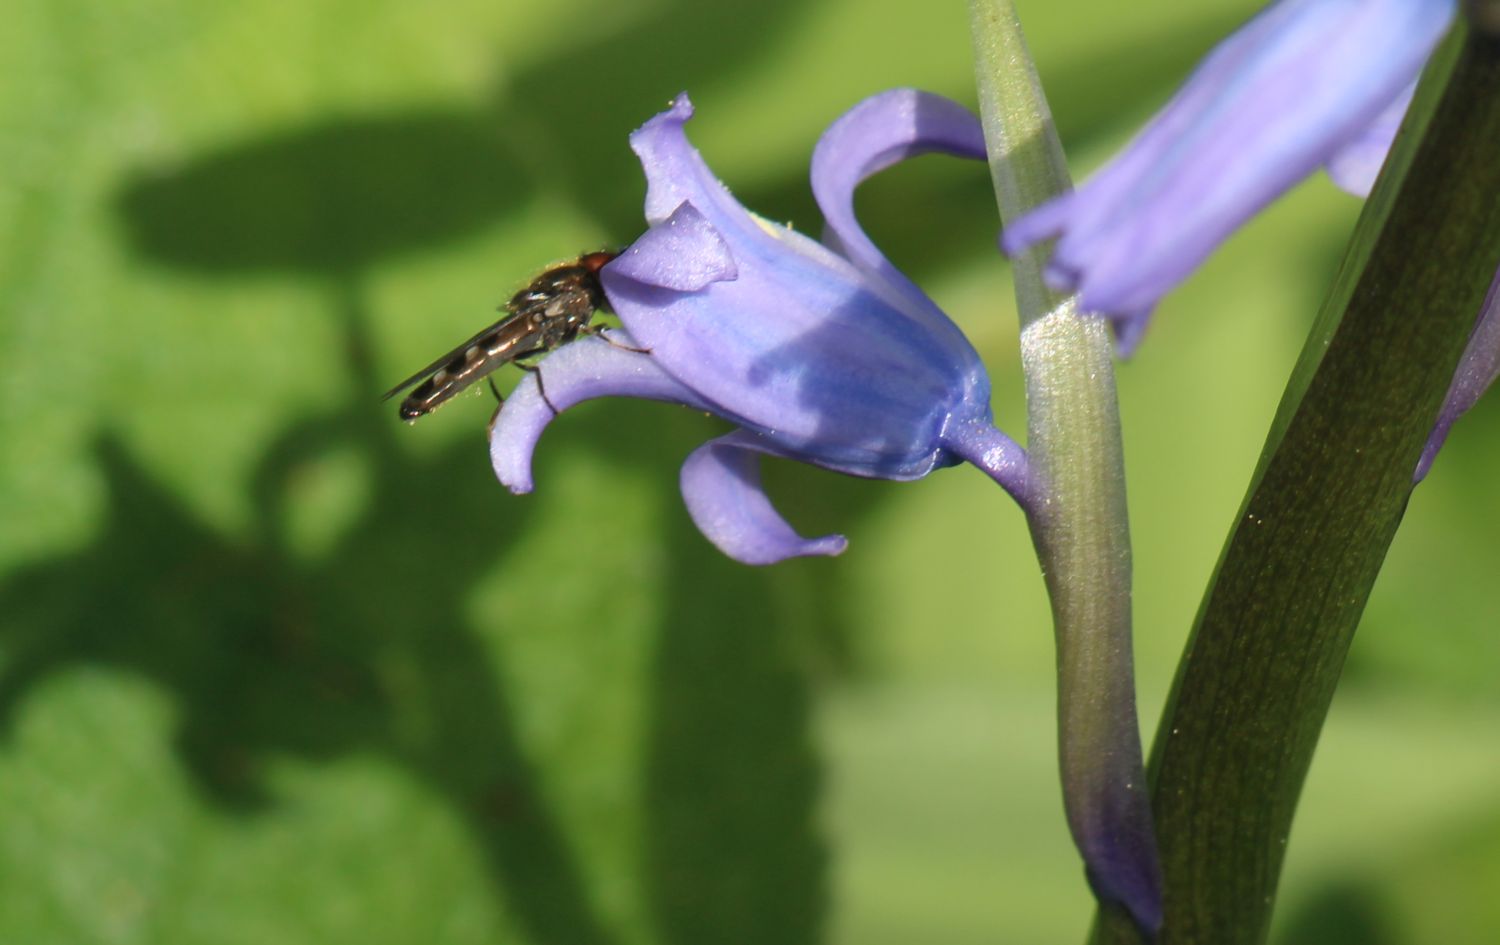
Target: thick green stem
[1077, 497]
[1259, 672]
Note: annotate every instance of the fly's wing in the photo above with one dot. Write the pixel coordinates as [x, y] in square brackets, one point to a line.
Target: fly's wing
[501, 331]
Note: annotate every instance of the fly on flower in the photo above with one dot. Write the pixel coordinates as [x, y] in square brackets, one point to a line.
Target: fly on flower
[818, 352]
[556, 307]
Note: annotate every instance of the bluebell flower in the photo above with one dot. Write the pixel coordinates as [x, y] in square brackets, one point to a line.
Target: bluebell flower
[1297, 87]
[818, 352]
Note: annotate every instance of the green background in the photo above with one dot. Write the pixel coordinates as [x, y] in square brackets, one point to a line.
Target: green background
[275, 667]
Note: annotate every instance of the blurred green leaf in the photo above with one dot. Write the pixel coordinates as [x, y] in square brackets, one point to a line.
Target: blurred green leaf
[275, 667]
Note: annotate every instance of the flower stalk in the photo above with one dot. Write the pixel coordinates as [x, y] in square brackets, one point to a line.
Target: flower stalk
[1077, 512]
[1259, 672]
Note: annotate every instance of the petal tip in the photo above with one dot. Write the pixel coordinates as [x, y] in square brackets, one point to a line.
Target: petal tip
[676, 114]
[721, 488]
[518, 488]
[510, 455]
[762, 554]
[1011, 243]
[684, 253]
[830, 546]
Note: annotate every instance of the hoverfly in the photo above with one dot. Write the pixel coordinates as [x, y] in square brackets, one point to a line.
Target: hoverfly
[552, 310]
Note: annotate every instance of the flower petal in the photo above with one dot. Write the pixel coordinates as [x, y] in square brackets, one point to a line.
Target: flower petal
[578, 371]
[721, 487]
[676, 174]
[1477, 370]
[835, 366]
[812, 357]
[1269, 105]
[1357, 164]
[683, 252]
[879, 132]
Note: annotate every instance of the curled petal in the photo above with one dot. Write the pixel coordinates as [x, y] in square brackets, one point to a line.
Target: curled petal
[585, 369]
[1270, 104]
[684, 252]
[879, 132]
[1357, 164]
[1477, 370]
[722, 490]
[676, 174]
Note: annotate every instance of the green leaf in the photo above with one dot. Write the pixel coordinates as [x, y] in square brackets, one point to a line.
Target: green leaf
[1260, 669]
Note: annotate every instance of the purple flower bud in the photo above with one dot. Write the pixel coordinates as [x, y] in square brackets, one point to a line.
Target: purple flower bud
[1286, 93]
[823, 353]
[1477, 370]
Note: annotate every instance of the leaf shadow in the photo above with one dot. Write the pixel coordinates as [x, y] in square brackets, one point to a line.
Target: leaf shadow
[269, 654]
[334, 197]
[571, 117]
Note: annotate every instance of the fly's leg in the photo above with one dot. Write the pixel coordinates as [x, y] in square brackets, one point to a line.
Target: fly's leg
[500, 401]
[536, 371]
[489, 430]
[600, 331]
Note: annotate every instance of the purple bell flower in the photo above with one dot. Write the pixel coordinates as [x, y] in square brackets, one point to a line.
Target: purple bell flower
[819, 352]
[1296, 87]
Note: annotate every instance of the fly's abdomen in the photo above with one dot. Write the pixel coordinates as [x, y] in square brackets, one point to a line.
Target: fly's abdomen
[482, 356]
[551, 311]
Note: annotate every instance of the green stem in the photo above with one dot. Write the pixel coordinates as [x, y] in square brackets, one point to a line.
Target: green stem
[1256, 681]
[1077, 507]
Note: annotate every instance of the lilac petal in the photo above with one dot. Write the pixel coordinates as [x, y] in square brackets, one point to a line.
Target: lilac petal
[811, 356]
[684, 252]
[1130, 327]
[676, 174]
[838, 368]
[1269, 105]
[1477, 370]
[1043, 223]
[1357, 164]
[579, 371]
[879, 132]
[722, 490]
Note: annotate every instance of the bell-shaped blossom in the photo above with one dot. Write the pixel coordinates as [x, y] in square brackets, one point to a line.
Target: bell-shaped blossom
[819, 352]
[1290, 91]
